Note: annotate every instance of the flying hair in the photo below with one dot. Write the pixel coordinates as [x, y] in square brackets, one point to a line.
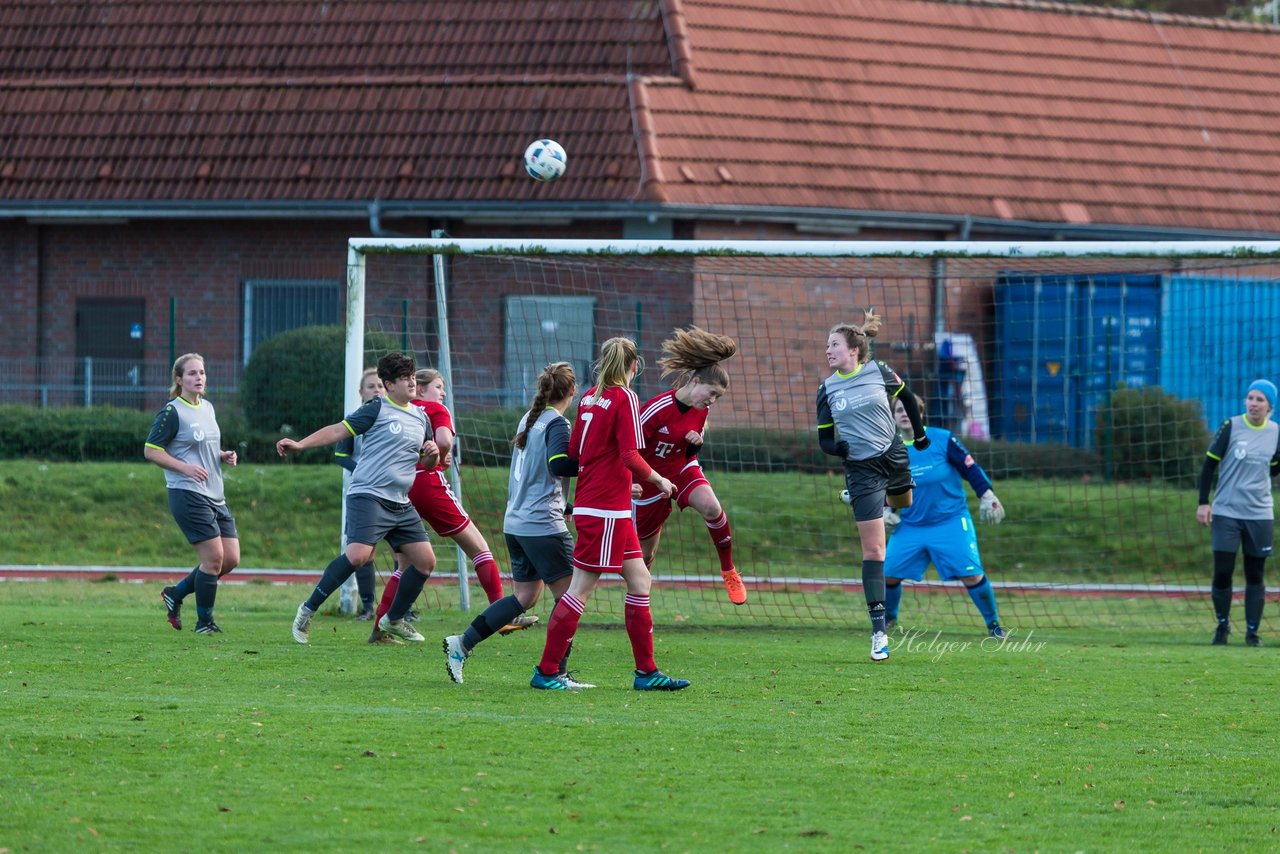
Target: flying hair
[694, 355]
[859, 337]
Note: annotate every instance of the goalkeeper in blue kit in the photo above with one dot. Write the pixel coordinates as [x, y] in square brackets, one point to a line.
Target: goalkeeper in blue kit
[937, 528]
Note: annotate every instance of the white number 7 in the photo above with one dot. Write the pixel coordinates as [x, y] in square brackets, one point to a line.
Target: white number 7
[586, 425]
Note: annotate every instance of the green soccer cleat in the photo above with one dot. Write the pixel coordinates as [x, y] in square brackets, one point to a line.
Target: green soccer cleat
[659, 681]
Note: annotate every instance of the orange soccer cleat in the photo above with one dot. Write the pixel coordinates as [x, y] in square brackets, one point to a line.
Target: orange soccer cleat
[736, 589]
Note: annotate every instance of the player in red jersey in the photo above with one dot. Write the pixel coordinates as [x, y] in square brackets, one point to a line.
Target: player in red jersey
[674, 424]
[434, 500]
[606, 440]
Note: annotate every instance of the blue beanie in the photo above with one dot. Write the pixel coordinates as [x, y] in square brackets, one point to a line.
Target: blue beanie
[1268, 389]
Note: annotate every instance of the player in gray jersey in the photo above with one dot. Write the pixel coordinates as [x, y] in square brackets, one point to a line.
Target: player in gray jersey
[856, 424]
[1242, 518]
[378, 508]
[344, 454]
[185, 441]
[537, 537]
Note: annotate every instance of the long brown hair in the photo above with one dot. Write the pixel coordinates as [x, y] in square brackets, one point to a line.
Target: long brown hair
[555, 383]
[694, 355]
[859, 337]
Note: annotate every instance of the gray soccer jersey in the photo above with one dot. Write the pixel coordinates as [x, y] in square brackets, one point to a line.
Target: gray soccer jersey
[1244, 478]
[535, 503]
[393, 437]
[189, 432]
[857, 404]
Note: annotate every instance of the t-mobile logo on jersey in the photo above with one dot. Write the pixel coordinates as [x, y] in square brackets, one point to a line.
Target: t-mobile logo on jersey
[663, 448]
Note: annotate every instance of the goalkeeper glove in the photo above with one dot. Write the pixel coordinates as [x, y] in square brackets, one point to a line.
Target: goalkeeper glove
[992, 510]
[891, 520]
[920, 442]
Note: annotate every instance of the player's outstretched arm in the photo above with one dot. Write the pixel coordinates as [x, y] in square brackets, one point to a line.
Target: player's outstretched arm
[330, 435]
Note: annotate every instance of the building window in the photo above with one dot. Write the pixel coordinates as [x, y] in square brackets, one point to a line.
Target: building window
[272, 306]
[541, 330]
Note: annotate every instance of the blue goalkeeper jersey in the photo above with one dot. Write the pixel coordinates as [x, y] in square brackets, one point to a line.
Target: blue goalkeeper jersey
[939, 472]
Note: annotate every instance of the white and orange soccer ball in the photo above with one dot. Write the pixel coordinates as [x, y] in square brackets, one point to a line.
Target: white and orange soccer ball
[545, 160]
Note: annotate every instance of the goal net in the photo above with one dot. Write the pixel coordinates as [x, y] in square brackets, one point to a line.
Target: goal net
[1086, 379]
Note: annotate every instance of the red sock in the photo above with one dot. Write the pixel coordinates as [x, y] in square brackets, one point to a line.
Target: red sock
[490, 578]
[640, 630]
[560, 631]
[388, 596]
[718, 528]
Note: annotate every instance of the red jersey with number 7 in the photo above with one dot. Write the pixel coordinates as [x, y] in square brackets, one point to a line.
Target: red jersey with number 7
[605, 427]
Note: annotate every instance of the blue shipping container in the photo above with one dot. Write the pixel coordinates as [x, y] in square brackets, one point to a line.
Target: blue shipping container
[1063, 343]
[1217, 336]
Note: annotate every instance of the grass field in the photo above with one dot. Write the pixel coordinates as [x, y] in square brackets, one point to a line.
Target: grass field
[121, 734]
[288, 516]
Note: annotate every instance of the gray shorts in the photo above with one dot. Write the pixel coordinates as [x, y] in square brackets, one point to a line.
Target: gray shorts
[200, 518]
[371, 519]
[869, 481]
[1229, 534]
[546, 559]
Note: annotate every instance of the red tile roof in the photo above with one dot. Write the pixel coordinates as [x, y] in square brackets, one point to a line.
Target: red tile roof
[999, 109]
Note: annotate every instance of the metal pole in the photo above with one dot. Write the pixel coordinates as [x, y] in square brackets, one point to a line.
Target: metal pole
[445, 366]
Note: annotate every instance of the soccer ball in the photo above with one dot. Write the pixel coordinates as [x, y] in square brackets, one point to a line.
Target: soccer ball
[545, 160]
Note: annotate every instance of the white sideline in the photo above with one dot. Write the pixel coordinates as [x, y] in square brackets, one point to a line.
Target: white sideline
[782, 581]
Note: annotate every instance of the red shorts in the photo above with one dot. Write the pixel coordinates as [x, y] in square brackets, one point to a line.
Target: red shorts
[604, 542]
[651, 511]
[436, 503]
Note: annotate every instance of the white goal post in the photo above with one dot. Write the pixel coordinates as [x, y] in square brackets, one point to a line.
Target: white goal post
[991, 307]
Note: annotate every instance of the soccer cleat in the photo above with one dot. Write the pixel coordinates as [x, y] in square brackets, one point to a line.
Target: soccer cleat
[548, 683]
[574, 684]
[658, 681]
[520, 623]
[379, 636]
[207, 627]
[879, 647]
[400, 629]
[997, 631]
[411, 616]
[172, 607]
[1220, 634]
[890, 623]
[302, 624]
[455, 655]
[1252, 639]
[734, 586]
[365, 615]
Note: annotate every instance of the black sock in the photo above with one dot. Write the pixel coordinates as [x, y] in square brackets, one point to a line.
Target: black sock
[1224, 566]
[364, 583]
[494, 617]
[1255, 592]
[411, 582]
[206, 593]
[564, 662]
[873, 589]
[338, 571]
[187, 585]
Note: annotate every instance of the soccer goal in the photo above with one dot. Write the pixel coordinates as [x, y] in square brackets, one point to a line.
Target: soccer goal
[1085, 378]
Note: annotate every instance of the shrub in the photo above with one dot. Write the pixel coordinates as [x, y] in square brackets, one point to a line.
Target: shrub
[73, 434]
[295, 379]
[1148, 434]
